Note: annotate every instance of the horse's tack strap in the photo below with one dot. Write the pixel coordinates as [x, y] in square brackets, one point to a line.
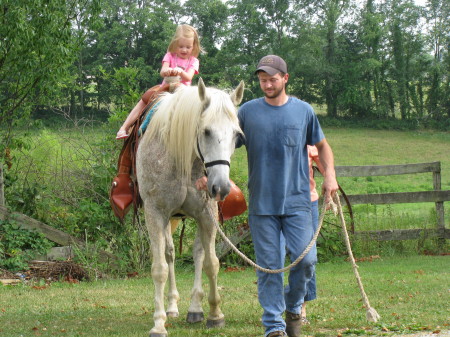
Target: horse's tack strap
[211, 163]
[217, 162]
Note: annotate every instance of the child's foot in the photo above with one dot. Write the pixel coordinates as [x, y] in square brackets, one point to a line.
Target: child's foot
[121, 134]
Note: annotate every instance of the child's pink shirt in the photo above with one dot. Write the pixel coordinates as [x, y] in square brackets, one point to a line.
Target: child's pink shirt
[185, 64]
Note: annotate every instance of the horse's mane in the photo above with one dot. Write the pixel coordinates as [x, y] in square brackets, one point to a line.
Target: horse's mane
[180, 116]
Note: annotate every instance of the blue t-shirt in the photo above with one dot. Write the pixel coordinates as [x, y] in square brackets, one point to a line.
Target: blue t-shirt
[276, 139]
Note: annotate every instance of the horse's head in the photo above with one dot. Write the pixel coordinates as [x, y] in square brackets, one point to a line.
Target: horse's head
[217, 134]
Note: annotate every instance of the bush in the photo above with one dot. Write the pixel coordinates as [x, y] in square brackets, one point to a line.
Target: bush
[19, 246]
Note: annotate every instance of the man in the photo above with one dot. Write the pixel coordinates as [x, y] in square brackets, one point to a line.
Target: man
[277, 130]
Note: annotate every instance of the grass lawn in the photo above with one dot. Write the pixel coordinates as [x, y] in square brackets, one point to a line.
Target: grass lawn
[410, 294]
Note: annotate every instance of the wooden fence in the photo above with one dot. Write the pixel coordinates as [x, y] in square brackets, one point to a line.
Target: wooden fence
[436, 195]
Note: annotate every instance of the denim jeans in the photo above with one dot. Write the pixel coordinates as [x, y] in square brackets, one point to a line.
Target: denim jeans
[311, 292]
[267, 232]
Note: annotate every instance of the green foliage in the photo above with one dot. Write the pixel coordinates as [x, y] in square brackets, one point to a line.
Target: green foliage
[330, 243]
[84, 61]
[385, 123]
[37, 47]
[63, 180]
[18, 246]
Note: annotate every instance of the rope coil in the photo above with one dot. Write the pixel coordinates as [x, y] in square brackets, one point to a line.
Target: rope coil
[371, 314]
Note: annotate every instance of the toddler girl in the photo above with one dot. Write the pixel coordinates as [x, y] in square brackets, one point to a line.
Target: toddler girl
[180, 60]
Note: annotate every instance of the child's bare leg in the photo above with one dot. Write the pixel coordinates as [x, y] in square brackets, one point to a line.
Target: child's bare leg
[132, 116]
[303, 313]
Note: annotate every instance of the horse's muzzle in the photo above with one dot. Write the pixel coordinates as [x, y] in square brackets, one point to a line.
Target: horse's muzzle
[220, 190]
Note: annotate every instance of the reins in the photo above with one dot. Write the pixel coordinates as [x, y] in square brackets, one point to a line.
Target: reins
[255, 265]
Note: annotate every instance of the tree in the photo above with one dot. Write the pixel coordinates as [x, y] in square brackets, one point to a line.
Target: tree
[244, 44]
[37, 47]
[123, 55]
[330, 12]
[371, 34]
[210, 19]
[403, 21]
[438, 102]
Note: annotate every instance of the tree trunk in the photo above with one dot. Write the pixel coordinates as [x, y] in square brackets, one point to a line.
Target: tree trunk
[2, 187]
[330, 98]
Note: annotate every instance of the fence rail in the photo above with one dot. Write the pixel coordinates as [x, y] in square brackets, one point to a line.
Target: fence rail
[437, 196]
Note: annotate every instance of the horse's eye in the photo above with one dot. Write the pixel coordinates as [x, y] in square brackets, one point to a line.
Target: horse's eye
[207, 132]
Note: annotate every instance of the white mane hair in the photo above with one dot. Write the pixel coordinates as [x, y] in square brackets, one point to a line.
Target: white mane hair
[180, 117]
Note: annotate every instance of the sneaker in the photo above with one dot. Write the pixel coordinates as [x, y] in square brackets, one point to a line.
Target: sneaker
[121, 134]
[293, 324]
[277, 334]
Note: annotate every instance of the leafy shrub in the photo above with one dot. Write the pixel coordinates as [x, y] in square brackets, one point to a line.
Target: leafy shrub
[18, 246]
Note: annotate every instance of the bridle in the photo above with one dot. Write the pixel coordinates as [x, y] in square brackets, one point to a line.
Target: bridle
[210, 163]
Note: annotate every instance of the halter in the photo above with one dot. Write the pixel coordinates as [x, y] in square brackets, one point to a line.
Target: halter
[211, 163]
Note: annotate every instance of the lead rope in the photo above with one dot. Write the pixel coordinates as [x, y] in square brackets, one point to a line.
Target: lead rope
[253, 264]
[371, 313]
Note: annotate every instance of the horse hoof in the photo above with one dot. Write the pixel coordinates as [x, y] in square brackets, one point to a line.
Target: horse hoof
[195, 317]
[172, 313]
[158, 335]
[215, 323]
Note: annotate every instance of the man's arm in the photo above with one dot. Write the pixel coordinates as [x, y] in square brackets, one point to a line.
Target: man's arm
[329, 185]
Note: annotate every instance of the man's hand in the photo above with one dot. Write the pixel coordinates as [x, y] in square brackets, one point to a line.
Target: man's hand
[329, 188]
[329, 185]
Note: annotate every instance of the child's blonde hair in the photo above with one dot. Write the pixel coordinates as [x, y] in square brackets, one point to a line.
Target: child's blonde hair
[187, 32]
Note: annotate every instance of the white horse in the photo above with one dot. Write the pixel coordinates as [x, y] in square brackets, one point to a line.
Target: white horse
[192, 130]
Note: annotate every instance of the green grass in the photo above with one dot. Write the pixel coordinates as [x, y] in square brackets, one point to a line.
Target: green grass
[410, 293]
[381, 147]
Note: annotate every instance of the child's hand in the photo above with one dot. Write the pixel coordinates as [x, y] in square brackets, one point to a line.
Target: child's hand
[171, 72]
[202, 184]
[178, 70]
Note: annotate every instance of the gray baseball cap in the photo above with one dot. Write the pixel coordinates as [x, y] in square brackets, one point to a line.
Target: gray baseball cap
[272, 64]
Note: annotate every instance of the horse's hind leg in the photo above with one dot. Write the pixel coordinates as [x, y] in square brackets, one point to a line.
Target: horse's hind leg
[195, 312]
[173, 296]
[211, 268]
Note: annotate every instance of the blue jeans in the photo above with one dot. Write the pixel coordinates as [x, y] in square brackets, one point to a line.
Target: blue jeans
[267, 232]
[311, 292]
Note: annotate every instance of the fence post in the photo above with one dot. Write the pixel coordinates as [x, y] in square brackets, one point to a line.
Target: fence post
[439, 208]
[2, 190]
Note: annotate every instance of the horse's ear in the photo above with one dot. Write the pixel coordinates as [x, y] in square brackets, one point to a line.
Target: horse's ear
[202, 92]
[238, 93]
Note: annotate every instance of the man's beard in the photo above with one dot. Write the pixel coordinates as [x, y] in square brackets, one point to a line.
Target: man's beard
[274, 94]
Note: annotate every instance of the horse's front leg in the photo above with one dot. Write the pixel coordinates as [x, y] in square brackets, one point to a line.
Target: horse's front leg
[195, 311]
[211, 266]
[156, 227]
[173, 296]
